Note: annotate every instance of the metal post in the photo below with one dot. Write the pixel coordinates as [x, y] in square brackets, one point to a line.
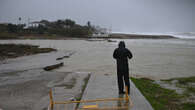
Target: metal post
[51, 100]
[126, 94]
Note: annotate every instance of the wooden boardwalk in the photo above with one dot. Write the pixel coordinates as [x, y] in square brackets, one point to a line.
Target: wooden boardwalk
[105, 86]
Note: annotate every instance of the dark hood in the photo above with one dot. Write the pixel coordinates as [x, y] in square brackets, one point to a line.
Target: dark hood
[121, 44]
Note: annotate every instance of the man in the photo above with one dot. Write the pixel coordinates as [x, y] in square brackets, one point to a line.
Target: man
[121, 54]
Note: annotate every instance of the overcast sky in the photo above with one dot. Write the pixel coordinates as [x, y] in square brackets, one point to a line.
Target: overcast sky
[121, 15]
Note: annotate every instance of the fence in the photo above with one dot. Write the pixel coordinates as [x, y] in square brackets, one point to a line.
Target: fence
[128, 103]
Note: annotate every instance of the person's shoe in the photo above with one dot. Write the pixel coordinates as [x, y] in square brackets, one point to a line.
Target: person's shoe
[122, 92]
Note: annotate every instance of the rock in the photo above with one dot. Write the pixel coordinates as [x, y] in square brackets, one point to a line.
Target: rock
[109, 40]
[95, 39]
[60, 58]
[51, 67]
[65, 56]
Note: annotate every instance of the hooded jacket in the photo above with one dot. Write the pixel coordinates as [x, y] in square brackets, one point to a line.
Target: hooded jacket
[121, 54]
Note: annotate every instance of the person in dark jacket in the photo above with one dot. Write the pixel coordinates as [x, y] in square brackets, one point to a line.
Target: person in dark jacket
[122, 54]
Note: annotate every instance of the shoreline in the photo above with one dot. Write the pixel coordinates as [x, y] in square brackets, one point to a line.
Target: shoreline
[141, 36]
[111, 36]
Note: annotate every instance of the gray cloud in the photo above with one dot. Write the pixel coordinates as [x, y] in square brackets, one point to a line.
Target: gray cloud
[121, 15]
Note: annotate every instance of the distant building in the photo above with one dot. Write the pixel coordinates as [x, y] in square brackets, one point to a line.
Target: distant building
[35, 24]
[101, 32]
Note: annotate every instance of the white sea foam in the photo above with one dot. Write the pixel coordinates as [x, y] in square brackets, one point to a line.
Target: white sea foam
[181, 35]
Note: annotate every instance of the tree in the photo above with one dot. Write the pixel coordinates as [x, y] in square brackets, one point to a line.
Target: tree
[20, 27]
[44, 22]
[89, 24]
[3, 28]
[41, 29]
[69, 22]
[12, 28]
[19, 20]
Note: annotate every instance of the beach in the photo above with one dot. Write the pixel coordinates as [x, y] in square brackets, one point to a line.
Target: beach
[156, 59]
[25, 85]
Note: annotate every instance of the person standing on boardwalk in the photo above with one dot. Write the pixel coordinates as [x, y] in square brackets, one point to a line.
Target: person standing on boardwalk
[122, 54]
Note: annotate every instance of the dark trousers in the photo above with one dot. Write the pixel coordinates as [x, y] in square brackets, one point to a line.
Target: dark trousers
[121, 79]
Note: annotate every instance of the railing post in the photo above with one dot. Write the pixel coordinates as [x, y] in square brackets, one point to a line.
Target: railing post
[51, 100]
[126, 94]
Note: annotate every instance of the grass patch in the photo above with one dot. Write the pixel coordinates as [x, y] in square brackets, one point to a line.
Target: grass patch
[78, 98]
[86, 79]
[161, 98]
[189, 106]
[185, 83]
[184, 80]
[16, 50]
[191, 89]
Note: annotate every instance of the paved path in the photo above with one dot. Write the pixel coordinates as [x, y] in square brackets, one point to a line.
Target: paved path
[105, 86]
[68, 89]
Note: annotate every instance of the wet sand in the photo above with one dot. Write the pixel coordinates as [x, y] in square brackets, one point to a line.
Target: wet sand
[157, 59]
[24, 85]
[20, 77]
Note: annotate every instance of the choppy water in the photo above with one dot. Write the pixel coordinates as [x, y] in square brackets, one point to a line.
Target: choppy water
[152, 58]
